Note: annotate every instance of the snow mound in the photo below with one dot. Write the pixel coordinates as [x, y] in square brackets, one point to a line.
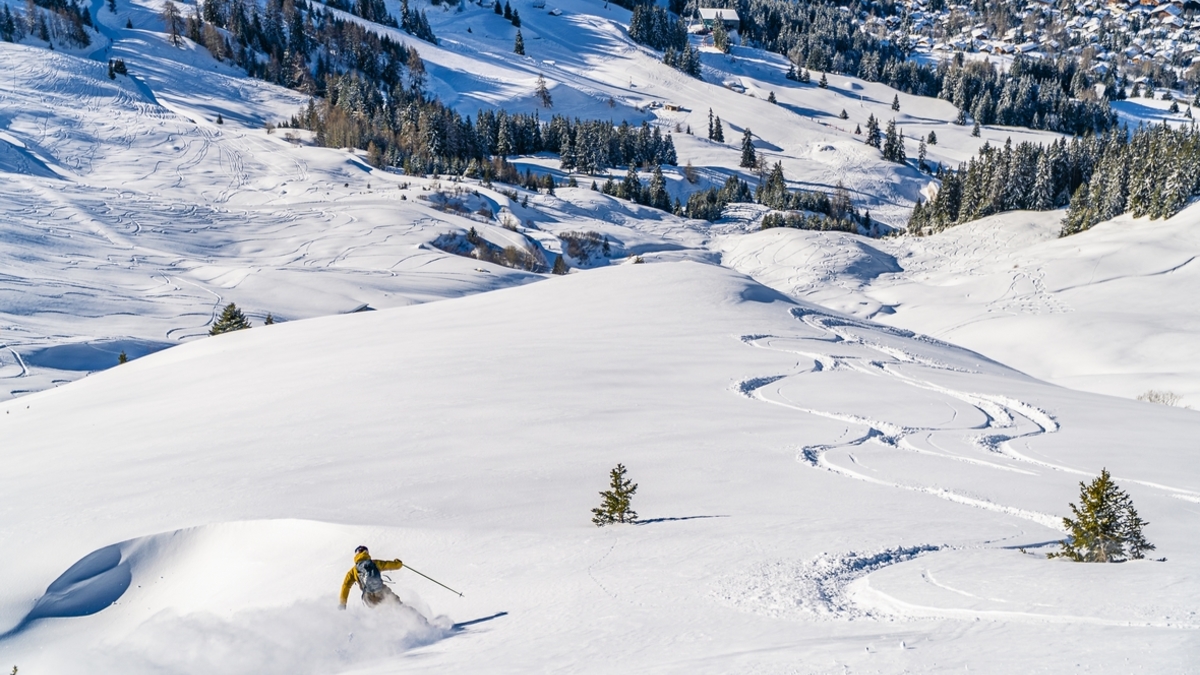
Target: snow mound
[239, 597]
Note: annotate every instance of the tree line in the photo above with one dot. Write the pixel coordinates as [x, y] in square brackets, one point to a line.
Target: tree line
[48, 21]
[1154, 171]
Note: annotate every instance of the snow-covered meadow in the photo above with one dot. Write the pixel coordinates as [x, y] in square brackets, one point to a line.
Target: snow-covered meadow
[819, 492]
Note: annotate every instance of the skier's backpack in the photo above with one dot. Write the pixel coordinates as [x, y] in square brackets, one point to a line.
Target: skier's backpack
[369, 579]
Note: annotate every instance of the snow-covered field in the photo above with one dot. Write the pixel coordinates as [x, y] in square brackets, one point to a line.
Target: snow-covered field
[819, 492]
[822, 494]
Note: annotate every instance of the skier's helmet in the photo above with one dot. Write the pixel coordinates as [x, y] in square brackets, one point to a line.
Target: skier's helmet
[360, 549]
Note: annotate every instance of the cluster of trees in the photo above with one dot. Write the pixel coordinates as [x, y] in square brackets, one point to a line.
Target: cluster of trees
[423, 136]
[1035, 93]
[807, 209]
[708, 204]
[804, 209]
[591, 146]
[808, 221]
[49, 21]
[1153, 171]
[654, 194]
[654, 27]
[300, 45]
[1021, 176]
[686, 60]
[511, 15]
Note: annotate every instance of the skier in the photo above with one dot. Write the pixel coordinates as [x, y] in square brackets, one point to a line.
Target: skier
[366, 573]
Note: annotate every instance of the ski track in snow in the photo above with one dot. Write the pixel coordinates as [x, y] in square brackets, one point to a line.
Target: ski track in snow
[1007, 419]
[817, 588]
[838, 586]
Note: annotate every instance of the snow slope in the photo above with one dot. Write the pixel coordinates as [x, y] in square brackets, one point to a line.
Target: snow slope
[818, 494]
[1110, 310]
[133, 217]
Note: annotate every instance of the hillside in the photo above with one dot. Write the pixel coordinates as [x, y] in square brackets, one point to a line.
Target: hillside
[853, 453]
[771, 483]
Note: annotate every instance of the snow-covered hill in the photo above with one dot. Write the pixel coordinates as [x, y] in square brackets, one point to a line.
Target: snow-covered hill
[818, 492]
[823, 494]
[1109, 310]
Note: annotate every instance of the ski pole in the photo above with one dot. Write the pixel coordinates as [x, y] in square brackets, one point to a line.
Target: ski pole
[434, 581]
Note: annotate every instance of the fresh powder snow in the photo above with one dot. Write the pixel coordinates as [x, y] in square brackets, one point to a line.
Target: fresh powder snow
[853, 454]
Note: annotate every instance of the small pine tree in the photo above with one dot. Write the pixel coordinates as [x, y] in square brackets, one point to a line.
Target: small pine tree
[519, 44]
[543, 93]
[129, 23]
[560, 265]
[720, 35]
[231, 319]
[932, 138]
[975, 129]
[748, 156]
[874, 138]
[496, 7]
[896, 102]
[1174, 109]
[122, 358]
[823, 82]
[771, 98]
[857, 130]
[844, 115]
[1106, 527]
[270, 320]
[718, 131]
[220, 120]
[112, 6]
[616, 507]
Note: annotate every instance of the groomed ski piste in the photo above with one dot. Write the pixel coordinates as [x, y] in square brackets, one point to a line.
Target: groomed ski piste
[819, 492]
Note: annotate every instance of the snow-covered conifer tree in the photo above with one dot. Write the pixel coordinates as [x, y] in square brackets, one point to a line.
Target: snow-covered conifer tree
[749, 159]
[873, 137]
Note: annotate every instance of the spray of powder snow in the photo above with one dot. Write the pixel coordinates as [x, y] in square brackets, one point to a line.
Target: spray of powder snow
[308, 637]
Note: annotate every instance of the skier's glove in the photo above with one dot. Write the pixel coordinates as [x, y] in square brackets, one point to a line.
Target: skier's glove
[341, 606]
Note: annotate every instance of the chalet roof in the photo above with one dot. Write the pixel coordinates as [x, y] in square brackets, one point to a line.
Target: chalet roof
[710, 14]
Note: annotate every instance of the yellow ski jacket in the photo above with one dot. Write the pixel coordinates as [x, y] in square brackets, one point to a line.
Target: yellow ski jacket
[352, 575]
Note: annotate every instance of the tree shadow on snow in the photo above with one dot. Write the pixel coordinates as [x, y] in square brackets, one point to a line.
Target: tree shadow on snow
[668, 520]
